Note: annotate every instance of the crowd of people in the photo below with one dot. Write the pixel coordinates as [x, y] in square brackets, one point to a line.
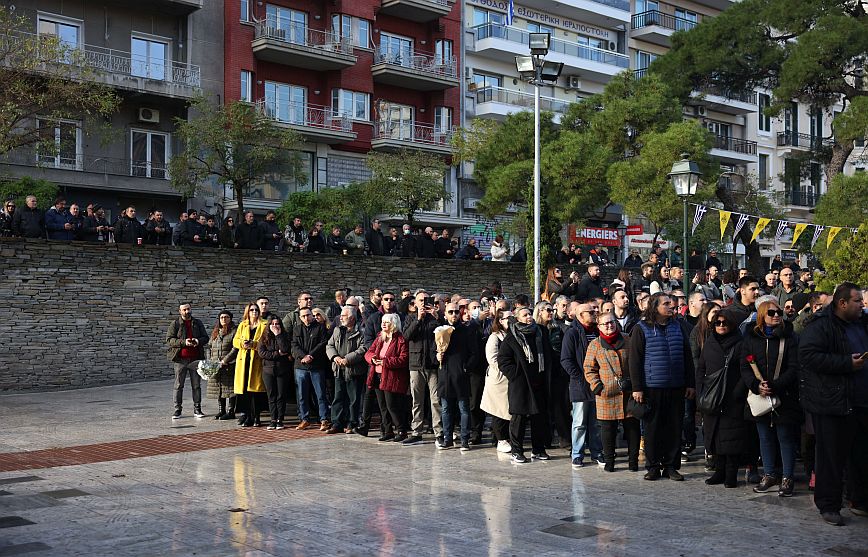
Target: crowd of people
[768, 372]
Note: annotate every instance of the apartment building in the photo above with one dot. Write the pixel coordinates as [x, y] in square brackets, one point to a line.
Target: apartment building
[157, 56]
[350, 77]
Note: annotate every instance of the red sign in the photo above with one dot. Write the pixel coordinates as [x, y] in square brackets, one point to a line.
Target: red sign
[635, 230]
[593, 236]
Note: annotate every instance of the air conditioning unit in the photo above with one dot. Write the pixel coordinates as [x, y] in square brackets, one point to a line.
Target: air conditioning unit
[149, 116]
[573, 82]
[700, 111]
[613, 46]
[471, 202]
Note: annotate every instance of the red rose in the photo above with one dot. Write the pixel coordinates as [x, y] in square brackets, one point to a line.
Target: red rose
[750, 359]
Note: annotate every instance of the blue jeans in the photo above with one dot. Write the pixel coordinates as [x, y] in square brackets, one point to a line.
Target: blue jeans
[304, 378]
[586, 430]
[448, 408]
[787, 436]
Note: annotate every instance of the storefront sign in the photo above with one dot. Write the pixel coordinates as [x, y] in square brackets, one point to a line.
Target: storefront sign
[644, 241]
[635, 230]
[547, 19]
[593, 236]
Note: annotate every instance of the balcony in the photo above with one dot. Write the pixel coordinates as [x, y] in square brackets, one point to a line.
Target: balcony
[390, 135]
[497, 103]
[173, 7]
[302, 47]
[315, 123]
[802, 141]
[732, 150]
[603, 13]
[501, 43]
[657, 27]
[416, 10]
[728, 102]
[800, 198]
[414, 70]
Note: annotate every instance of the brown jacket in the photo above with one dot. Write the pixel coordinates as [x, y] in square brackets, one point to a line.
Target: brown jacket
[604, 364]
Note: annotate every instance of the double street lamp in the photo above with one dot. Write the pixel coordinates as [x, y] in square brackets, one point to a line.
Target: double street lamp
[685, 177]
[538, 72]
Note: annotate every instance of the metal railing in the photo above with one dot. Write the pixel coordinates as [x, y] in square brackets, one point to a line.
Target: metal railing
[661, 19]
[113, 61]
[304, 36]
[741, 96]
[88, 163]
[640, 73]
[422, 134]
[801, 198]
[513, 34]
[308, 115]
[735, 144]
[519, 98]
[422, 63]
[803, 140]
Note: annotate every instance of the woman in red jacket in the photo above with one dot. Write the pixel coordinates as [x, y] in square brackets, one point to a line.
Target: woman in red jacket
[389, 377]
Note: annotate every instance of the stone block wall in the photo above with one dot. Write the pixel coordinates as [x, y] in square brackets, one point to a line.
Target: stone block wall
[79, 315]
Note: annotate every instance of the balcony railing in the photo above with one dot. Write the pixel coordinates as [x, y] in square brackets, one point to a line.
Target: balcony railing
[801, 198]
[87, 163]
[802, 140]
[519, 98]
[421, 134]
[640, 73]
[304, 36]
[741, 96]
[513, 34]
[735, 144]
[422, 63]
[308, 115]
[660, 19]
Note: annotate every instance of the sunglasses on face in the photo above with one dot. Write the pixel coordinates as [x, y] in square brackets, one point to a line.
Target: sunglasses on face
[720, 323]
[388, 299]
[548, 310]
[452, 311]
[254, 310]
[775, 312]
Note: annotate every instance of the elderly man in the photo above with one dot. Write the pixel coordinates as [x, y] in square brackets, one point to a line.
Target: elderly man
[787, 288]
[453, 382]
[334, 309]
[186, 338]
[346, 352]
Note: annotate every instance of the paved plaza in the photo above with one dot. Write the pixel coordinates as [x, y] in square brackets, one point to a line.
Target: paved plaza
[105, 471]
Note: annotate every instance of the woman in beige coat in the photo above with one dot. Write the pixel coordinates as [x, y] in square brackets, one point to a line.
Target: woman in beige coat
[494, 394]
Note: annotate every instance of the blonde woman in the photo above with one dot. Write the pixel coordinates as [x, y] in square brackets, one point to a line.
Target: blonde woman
[248, 365]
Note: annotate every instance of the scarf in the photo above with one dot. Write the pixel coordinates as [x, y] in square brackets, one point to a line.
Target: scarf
[519, 330]
[611, 339]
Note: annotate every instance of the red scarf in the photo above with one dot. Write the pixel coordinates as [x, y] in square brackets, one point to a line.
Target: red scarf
[611, 339]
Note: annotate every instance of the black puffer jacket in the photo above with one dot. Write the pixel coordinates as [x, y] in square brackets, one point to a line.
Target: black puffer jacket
[420, 340]
[765, 352]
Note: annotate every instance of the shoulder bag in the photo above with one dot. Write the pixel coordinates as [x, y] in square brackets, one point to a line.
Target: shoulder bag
[762, 405]
[714, 389]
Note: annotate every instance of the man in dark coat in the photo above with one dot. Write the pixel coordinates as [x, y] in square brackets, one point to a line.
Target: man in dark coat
[375, 240]
[346, 352]
[742, 307]
[443, 246]
[590, 286]
[159, 231]
[128, 229]
[834, 389]
[419, 332]
[453, 382]
[29, 221]
[525, 358]
[470, 251]
[97, 228]
[426, 246]
[309, 338]
[409, 243]
[271, 235]
[248, 234]
[58, 221]
[186, 339]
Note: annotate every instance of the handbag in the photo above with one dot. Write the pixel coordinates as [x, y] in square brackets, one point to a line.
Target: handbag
[762, 405]
[714, 389]
[638, 409]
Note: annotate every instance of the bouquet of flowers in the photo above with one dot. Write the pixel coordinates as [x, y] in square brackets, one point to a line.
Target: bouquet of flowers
[208, 368]
[442, 336]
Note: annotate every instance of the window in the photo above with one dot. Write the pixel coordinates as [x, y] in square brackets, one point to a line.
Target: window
[276, 184]
[60, 144]
[246, 86]
[357, 30]
[245, 10]
[396, 120]
[763, 172]
[538, 28]
[396, 49]
[351, 104]
[67, 31]
[285, 103]
[149, 152]
[816, 178]
[646, 5]
[481, 17]
[685, 19]
[719, 128]
[486, 80]
[442, 119]
[765, 122]
[442, 51]
[290, 25]
[816, 127]
[149, 58]
[591, 48]
[644, 59]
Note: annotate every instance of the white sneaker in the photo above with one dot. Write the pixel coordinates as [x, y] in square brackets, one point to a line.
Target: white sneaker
[504, 447]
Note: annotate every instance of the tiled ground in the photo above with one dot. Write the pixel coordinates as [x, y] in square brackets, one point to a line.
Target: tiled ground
[309, 494]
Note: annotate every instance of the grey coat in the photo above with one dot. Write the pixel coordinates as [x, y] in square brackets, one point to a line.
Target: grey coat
[349, 345]
[222, 385]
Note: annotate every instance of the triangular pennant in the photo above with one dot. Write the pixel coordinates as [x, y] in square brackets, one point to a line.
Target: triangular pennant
[760, 226]
[697, 216]
[817, 231]
[800, 227]
[782, 226]
[724, 220]
[833, 231]
[742, 218]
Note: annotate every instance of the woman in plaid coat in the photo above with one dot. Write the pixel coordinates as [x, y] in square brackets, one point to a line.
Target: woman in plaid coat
[606, 372]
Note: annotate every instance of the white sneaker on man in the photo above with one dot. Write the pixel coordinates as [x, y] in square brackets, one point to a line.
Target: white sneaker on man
[504, 447]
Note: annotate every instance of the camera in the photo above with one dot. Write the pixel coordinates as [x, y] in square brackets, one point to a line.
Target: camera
[429, 300]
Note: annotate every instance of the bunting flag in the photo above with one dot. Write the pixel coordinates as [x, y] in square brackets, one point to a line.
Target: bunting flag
[800, 227]
[724, 220]
[742, 219]
[697, 216]
[760, 226]
[782, 225]
[833, 231]
[817, 231]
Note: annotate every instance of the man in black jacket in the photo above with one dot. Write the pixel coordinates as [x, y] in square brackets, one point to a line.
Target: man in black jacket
[29, 221]
[834, 389]
[248, 234]
[743, 306]
[309, 340]
[443, 246]
[590, 288]
[426, 246]
[375, 240]
[271, 235]
[128, 229]
[186, 339]
[419, 332]
[159, 231]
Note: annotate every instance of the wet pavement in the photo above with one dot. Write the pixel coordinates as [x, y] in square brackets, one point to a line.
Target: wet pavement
[111, 474]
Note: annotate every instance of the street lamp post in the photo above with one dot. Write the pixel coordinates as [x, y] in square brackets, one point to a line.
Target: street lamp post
[685, 177]
[537, 72]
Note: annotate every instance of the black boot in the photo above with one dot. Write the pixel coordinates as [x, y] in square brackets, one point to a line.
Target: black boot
[222, 412]
[719, 471]
[230, 411]
[731, 472]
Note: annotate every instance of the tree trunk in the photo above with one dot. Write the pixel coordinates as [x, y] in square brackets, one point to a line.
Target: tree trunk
[239, 198]
[840, 153]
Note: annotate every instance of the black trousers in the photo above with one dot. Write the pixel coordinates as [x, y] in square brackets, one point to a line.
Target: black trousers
[477, 416]
[835, 435]
[560, 408]
[857, 466]
[539, 427]
[609, 433]
[500, 428]
[393, 405]
[689, 429]
[663, 428]
[277, 387]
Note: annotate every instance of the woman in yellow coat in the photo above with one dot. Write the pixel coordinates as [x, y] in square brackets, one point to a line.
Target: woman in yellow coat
[248, 366]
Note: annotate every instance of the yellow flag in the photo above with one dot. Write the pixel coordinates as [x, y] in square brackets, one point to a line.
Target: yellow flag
[724, 220]
[760, 226]
[799, 229]
[833, 231]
